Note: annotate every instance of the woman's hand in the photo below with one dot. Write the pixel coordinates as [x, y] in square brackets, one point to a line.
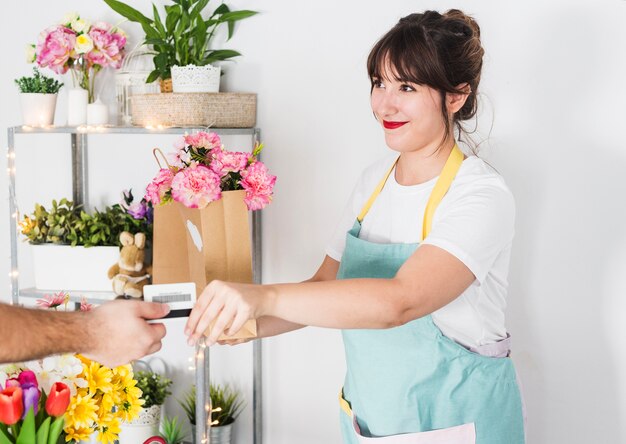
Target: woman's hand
[225, 307]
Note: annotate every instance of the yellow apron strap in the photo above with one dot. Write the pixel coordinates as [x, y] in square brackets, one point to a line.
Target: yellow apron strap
[455, 159]
[345, 406]
[375, 194]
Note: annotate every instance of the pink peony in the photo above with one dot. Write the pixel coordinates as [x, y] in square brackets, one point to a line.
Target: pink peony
[259, 185]
[160, 185]
[196, 186]
[55, 47]
[225, 162]
[108, 47]
[203, 140]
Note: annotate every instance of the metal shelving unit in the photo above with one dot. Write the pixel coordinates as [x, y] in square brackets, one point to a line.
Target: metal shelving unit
[79, 146]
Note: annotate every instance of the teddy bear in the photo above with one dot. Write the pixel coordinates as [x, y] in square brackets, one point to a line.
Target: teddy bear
[130, 274]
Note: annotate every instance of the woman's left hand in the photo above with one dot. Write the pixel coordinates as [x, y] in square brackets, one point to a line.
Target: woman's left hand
[227, 306]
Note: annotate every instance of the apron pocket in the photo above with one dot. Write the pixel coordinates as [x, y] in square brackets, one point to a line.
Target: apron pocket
[463, 434]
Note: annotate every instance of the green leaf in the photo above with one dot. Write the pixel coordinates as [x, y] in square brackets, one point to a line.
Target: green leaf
[129, 12]
[153, 76]
[55, 430]
[219, 54]
[4, 439]
[42, 433]
[27, 433]
[173, 15]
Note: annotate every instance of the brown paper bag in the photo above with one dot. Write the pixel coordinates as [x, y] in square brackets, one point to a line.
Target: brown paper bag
[192, 245]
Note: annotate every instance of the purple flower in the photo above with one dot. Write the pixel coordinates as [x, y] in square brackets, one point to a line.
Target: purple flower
[27, 377]
[30, 396]
[138, 209]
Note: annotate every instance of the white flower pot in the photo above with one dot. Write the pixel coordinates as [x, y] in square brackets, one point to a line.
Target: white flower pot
[38, 109]
[142, 427]
[63, 267]
[192, 78]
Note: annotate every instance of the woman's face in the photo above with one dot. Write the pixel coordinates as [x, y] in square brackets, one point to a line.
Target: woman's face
[410, 114]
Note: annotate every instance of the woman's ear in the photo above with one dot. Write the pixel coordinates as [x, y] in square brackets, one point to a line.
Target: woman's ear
[455, 101]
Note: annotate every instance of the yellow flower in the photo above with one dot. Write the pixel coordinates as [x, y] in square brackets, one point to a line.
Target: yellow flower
[77, 435]
[106, 406]
[108, 430]
[99, 378]
[81, 413]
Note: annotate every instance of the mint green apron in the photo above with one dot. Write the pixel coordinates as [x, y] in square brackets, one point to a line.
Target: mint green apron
[411, 384]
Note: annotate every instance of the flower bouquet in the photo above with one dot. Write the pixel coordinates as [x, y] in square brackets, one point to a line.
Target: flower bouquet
[201, 202]
[78, 45]
[65, 397]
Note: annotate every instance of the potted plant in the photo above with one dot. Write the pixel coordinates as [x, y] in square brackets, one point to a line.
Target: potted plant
[65, 237]
[183, 40]
[38, 98]
[155, 389]
[226, 405]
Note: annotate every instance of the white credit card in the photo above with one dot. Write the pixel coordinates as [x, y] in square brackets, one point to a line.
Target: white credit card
[181, 297]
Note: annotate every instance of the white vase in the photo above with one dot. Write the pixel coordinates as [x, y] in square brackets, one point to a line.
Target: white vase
[77, 101]
[63, 267]
[192, 78]
[141, 428]
[38, 109]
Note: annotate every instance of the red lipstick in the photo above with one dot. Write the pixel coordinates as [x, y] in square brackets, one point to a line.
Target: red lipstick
[392, 125]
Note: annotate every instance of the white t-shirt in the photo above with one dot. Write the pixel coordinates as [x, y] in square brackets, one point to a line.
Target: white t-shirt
[474, 222]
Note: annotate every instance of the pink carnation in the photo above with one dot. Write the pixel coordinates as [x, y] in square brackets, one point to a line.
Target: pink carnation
[55, 47]
[160, 185]
[259, 185]
[196, 187]
[180, 157]
[203, 140]
[225, 162]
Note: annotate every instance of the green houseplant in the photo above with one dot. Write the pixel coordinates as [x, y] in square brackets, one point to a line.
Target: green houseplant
[155, 389]
[38, 98]
[65, 237]
[184, 36]
[226, 405]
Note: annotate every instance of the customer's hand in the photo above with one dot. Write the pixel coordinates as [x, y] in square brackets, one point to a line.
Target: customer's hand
[118, 331]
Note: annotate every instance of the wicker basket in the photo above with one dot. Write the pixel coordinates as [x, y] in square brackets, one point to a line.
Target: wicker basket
[219, 110]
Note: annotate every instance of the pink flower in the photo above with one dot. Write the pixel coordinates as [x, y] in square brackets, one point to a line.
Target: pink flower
[225, 162]
[203, 140]
[27, 377]
[84, 305]
[259, 186]
[160, 185]
[196, 186]
[180, 157]
[53, 301]
[108, 48]
[55, 47]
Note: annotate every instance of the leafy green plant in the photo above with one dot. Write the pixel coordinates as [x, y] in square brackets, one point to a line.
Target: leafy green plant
[38, 83]
[154, 387]
[185, 36]
[172, 430]
[226, 404]
[67, 224]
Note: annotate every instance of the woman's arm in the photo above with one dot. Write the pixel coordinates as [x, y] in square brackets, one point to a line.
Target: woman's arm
[428, 280]
[271, 326]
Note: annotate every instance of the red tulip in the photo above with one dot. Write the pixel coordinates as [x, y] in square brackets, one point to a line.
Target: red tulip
[11, 405]
[155, 439]
[58, 399]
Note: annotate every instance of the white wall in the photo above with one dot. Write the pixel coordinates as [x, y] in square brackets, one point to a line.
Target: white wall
[553, 80]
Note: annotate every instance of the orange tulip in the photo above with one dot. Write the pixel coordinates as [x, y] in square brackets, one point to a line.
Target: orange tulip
[11, 405]
[58, 399]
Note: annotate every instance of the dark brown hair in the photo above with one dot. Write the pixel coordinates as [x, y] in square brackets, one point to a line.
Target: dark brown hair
[442, 51]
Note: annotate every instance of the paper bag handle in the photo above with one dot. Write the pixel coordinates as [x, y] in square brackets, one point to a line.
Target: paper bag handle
[154, 153]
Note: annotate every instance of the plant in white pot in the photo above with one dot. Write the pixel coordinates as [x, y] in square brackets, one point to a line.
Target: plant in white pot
[226, 405]
[155, 389]
[66, 237]
[38, 98]
[182, 42]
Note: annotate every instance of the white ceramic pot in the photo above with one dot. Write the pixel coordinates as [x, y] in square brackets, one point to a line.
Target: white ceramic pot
[38, 109]
[192, 78]
[143, 427]
[63, 267]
